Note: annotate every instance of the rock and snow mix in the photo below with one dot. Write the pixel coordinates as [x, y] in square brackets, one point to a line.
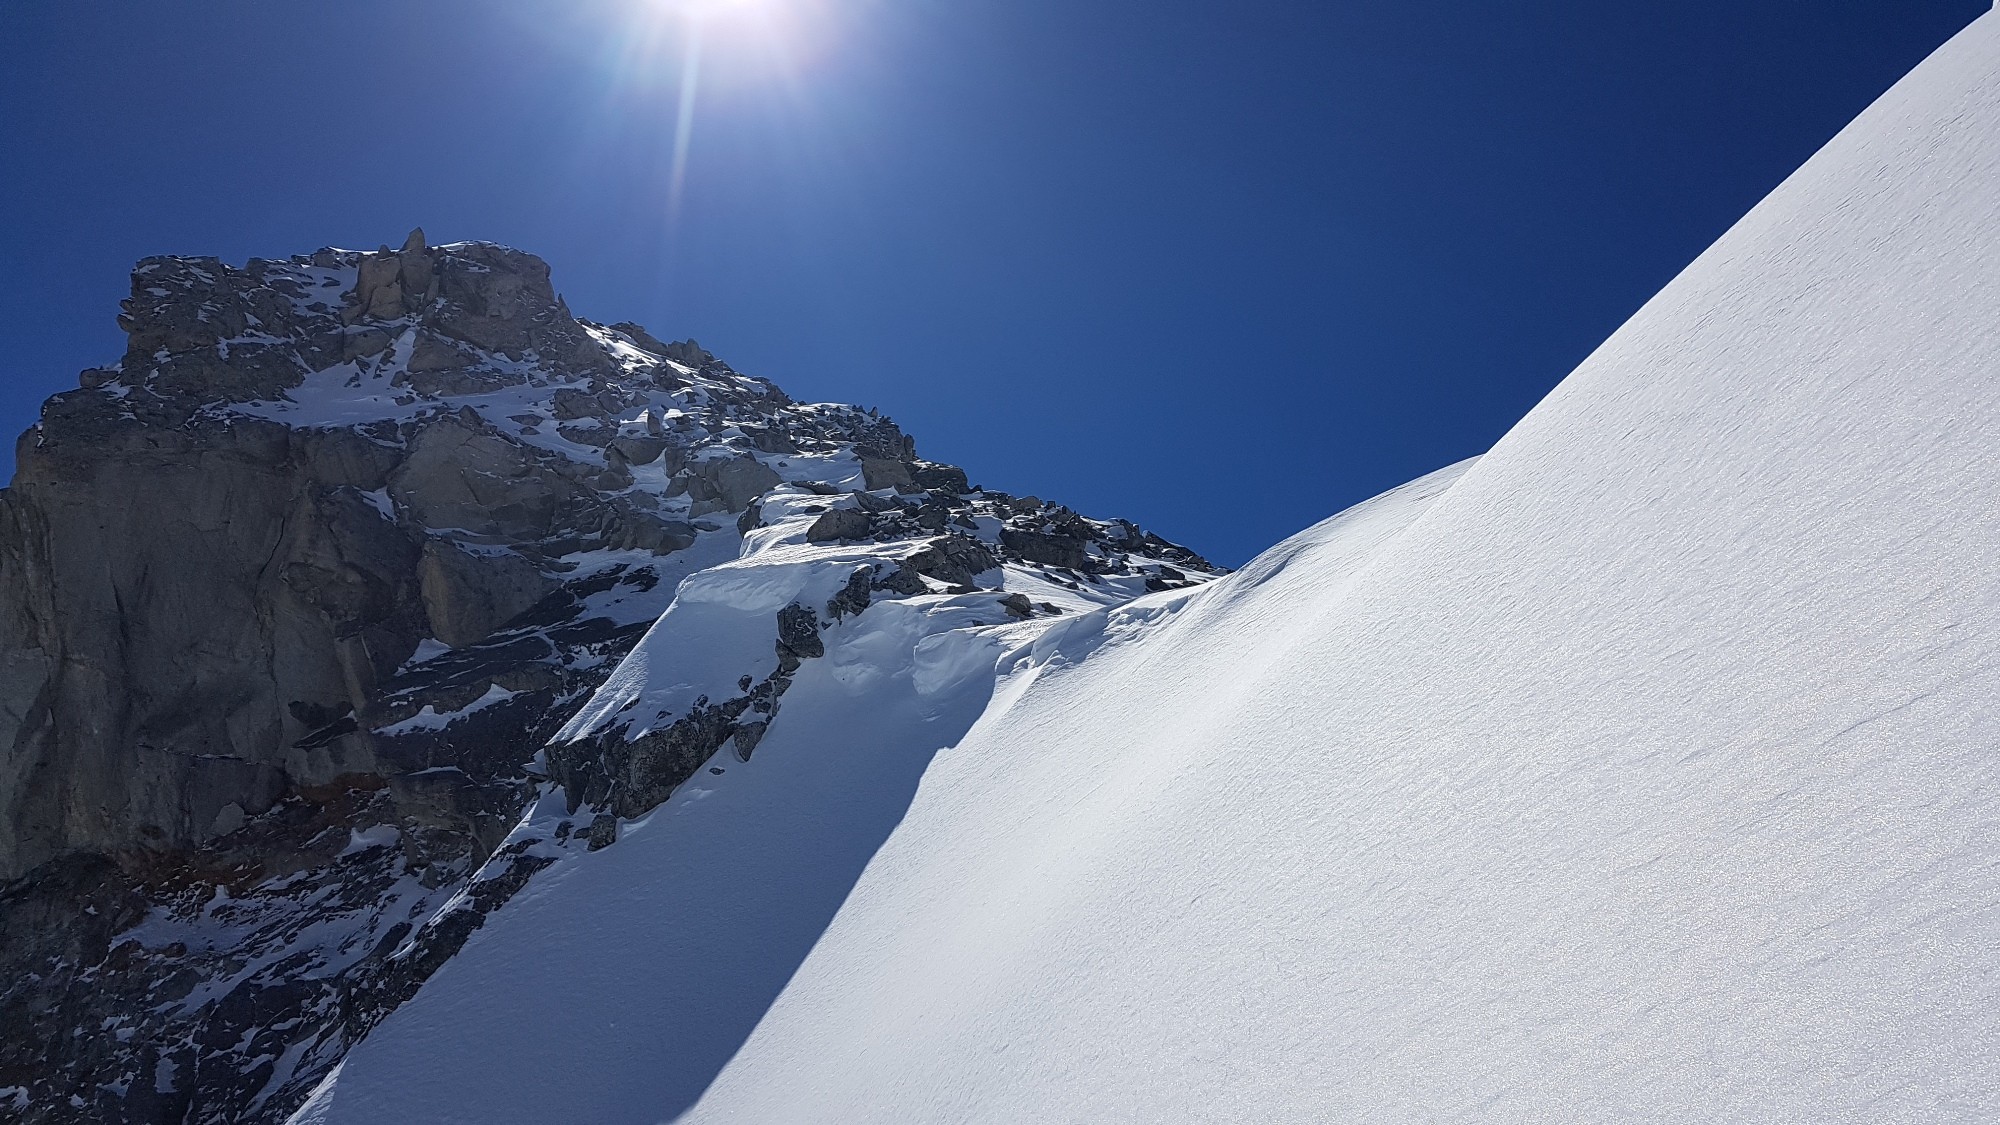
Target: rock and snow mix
[358, 556]
[1644, 769]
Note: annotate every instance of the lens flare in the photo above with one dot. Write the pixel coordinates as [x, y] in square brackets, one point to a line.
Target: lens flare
[684, 123]
[748, 34]
[673, 71]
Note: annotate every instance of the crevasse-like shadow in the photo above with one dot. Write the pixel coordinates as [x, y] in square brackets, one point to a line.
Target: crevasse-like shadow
[615, 989]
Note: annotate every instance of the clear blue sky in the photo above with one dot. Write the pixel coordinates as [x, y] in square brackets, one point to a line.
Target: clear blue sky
[1223, 268]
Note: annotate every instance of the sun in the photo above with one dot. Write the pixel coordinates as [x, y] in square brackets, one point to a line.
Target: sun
[714, 58]
[740, 27]
[706, 10]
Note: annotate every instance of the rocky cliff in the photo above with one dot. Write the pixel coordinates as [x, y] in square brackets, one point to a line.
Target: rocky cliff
[311, 595]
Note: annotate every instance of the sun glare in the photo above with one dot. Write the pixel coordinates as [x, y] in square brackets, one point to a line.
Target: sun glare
[741, 37]
[723, 11]
[710, 58]
[757, 34]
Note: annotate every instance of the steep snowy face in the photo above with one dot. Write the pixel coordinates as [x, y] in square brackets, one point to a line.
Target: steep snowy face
[1646, 772]
[357, 556]
[627, 1001]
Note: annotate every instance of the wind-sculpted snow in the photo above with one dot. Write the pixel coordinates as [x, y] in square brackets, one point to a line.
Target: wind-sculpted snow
[768, 848]
[1645, 772]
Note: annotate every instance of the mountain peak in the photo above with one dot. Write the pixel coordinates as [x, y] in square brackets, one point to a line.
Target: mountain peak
[391, 546]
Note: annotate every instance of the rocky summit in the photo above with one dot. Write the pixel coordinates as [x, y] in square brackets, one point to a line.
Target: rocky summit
[321, 620]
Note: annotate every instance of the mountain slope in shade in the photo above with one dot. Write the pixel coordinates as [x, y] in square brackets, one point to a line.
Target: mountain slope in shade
[1650, 770]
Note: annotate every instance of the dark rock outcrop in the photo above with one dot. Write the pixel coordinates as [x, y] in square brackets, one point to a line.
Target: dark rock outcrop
[1066, 551]
[837, 524]
[954, 560]
[728, 485]
[468, 597]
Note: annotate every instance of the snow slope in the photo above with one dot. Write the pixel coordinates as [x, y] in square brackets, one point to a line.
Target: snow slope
[1649, 770]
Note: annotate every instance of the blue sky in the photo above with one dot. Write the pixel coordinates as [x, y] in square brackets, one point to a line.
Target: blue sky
[1220, 268]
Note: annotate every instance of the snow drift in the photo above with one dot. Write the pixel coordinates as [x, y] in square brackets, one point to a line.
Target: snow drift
[1647, 770]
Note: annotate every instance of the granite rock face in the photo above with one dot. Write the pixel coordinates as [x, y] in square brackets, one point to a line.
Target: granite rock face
[298, 601]
[208, 582]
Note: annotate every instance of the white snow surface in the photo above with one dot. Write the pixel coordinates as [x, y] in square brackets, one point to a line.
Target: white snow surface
[717, 629]
[1649, 770]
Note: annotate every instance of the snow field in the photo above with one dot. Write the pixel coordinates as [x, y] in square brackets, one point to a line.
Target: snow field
[1644, 770]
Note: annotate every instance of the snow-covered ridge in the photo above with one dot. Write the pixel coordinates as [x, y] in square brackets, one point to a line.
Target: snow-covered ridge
[462, 357]
[1642, 771]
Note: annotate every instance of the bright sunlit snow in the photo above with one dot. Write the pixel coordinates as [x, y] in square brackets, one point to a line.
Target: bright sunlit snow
[1647, 770]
